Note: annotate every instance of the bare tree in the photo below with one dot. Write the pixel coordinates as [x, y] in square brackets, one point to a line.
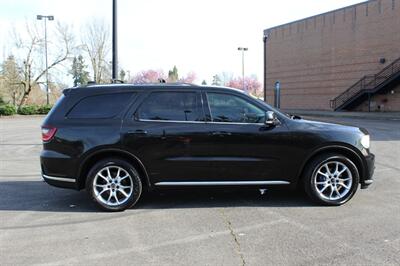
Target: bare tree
[96, 42]
[31, 51]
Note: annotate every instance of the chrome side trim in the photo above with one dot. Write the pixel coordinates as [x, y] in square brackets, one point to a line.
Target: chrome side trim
[235, 123]
[221, 183]
[172, 121]
[62, 179]
[219, 159]
[200, 122]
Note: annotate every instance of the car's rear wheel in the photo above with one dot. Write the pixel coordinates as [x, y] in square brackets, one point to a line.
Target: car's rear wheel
[331, 179]
[114, 184]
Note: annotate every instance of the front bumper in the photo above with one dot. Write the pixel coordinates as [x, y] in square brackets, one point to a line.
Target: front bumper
[369, 171]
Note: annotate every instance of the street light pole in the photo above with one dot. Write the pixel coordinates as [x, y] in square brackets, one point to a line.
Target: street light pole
[45, 18]
[265, 38]
[243, 49]
[114, 42]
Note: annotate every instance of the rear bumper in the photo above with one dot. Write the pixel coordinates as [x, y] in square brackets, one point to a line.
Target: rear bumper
[369, 171]
[63, 182]
[57, 169]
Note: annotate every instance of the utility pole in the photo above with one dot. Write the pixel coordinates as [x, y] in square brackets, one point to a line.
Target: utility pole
[243, 49]
[45, 18]
[114, 43]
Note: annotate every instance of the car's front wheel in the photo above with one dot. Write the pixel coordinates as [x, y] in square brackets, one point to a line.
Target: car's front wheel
[114, 184]
[331, 179]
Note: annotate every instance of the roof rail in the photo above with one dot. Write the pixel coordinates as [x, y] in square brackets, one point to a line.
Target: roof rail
[182, 83]
[117, 81]
[165, 84]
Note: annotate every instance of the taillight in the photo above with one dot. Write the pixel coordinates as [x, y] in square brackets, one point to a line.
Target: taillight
[48, 133]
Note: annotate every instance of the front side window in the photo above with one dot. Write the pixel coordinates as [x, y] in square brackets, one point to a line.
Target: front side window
[233, 109]
[171, 106]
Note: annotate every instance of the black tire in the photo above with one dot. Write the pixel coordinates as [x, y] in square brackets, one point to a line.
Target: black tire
[321, 188]
[114, 191]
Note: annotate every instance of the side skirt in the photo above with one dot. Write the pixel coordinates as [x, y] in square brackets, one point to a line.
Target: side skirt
[222, 183]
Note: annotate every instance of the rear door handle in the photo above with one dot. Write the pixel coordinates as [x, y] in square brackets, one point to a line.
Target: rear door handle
[138, 132]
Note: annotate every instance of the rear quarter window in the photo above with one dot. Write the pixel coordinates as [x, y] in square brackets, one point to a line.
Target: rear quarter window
[100, 106]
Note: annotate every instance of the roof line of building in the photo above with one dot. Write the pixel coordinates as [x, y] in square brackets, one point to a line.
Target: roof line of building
[314, 16]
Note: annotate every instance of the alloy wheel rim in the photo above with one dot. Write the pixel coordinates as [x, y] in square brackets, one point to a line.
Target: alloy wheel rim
[113, 185]
[333, 180]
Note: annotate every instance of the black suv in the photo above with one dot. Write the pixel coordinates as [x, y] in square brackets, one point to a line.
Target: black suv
[116, 140]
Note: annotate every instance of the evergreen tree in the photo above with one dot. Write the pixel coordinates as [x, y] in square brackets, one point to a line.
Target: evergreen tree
[216, 80]
[122, 75]
[173, 75]
[12, 77]
[204, 82]
[78, 71]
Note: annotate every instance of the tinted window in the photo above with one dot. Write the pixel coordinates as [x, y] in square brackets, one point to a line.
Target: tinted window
[231, 108]
[176, 106]
[100, 106]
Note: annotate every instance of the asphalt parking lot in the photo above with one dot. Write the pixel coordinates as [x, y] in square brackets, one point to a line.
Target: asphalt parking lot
[43, 225]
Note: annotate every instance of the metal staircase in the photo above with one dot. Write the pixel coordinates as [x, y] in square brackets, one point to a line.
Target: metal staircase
[367, 86]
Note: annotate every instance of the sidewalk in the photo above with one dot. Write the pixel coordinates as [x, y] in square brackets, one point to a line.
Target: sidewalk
[362, 115]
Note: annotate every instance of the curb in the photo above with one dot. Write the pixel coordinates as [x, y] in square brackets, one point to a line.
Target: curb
[19, 116]
[360, 115]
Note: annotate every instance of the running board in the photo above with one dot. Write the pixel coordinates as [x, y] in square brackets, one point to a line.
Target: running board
[221, 183]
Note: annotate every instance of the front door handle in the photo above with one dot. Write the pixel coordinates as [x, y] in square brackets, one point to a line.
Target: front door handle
[138, 132]
[220, 133]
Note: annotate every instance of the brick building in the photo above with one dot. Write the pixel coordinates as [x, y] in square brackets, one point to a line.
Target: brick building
[347, 55]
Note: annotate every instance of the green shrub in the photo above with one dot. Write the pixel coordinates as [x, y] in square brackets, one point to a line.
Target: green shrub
[43, 109]
[7, 109]
[28, 110]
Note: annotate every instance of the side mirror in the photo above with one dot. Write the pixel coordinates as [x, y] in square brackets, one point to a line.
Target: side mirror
[271, 119]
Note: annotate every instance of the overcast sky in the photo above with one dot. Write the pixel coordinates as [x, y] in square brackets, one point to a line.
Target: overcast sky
[200, 36]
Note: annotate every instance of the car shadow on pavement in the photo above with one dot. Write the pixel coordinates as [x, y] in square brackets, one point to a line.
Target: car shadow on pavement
[223, 197]
[38, 196]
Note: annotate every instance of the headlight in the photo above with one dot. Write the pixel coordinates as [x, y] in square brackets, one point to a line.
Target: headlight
[365, 141]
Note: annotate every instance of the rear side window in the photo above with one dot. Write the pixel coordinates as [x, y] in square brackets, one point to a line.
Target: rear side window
[172, 106]
[100, 106]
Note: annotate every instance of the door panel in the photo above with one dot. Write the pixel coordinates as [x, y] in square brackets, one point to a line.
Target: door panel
[168, 134]
[241, 145]
[170, 151]
[247, 152]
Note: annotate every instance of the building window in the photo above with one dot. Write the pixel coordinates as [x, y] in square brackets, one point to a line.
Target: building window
[380, 6]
